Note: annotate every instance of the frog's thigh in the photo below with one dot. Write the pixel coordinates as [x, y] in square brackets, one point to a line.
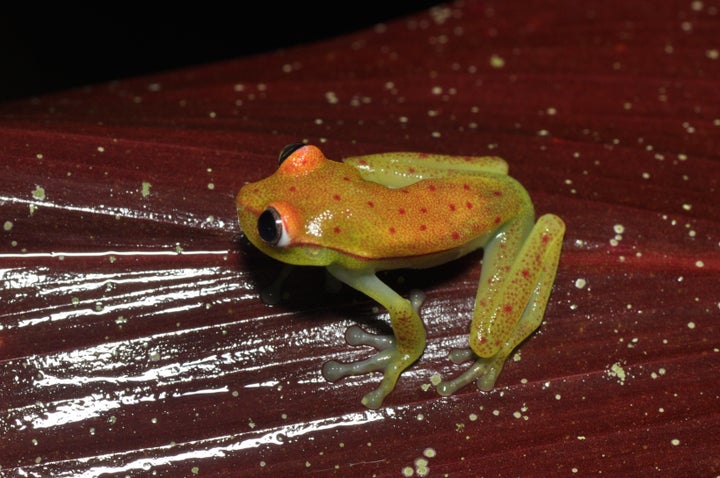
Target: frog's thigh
[401, 169]
[529, 321]
[519, 296]
[546, 242]
[404, 160]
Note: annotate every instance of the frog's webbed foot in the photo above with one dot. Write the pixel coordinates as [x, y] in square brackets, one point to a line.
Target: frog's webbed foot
[334, 370]
[390, 359]
[484, 371]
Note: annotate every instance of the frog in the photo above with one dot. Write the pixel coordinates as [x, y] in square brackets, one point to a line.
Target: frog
[407, 210]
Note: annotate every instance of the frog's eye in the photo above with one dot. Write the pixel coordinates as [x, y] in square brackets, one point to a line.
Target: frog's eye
[288, 150]
[271, 228]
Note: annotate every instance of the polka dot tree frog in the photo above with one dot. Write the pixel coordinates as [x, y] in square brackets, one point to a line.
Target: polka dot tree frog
[410, 210]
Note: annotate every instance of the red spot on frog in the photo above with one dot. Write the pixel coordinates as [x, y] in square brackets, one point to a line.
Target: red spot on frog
[336, 230]
[392, 230]
[456, 235]
[401, 210]
[468, 205]
[452, 207]
[371, 204]
[466, 187]
[411, 170]
[507, 308]
[525, 273]
[498, 220]
[336, 197]
[423, 210]
[497, 193]
[423, 227]
[432, 187]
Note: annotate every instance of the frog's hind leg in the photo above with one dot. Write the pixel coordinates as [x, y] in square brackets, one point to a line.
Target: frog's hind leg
[518, 306]
[401, 169]
[396, 353]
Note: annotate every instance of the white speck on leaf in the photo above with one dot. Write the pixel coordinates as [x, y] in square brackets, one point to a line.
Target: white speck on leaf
[496, 61]
[146, 189]
[39, 193]
[616, 370]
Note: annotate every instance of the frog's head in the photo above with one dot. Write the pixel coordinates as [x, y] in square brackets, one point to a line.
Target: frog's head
[272, 213]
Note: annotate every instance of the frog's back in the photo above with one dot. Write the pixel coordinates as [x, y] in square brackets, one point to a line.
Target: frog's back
[425, 218]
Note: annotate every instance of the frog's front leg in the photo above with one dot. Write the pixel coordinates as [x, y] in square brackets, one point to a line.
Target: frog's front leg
[518, 271]
[395, 353]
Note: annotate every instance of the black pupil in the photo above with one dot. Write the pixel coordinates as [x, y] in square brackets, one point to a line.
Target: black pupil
[269, 226]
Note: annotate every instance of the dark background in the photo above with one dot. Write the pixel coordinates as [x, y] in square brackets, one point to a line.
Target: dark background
[45, 51]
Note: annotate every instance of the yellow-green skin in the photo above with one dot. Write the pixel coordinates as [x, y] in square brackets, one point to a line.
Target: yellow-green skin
[413, 210]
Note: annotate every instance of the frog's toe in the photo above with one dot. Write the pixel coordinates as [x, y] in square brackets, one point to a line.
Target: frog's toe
[417, 297]
[461, 355]
[491, 369]
[449, 387]
[486, 382]
[484, 372]
[354, 335]
[374, 399]
[334, 370]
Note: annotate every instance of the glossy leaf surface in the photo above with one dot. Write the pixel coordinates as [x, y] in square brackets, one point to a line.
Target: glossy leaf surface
[133, 340]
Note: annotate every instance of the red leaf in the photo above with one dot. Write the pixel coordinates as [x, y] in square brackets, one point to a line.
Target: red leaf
[132, 336]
